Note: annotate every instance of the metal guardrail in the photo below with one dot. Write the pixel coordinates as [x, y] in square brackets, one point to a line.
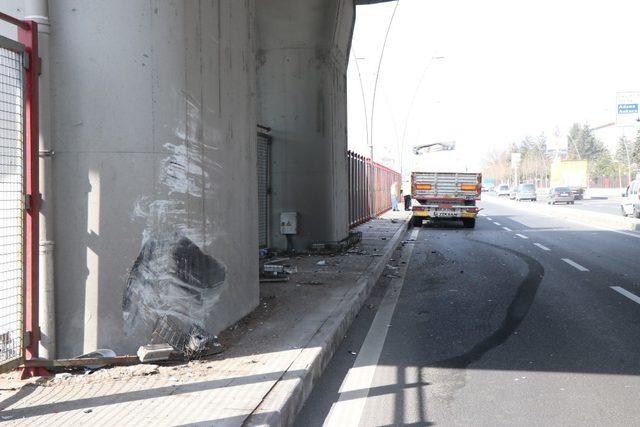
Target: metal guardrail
[369, 197]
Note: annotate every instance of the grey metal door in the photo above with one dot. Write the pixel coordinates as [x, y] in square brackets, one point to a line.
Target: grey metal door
[264, 190]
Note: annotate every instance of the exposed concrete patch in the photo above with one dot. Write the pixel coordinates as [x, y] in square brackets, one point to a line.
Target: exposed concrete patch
[171, 277]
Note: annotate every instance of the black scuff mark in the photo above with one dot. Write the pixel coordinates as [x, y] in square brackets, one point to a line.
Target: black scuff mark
[516, 312]
[171, 277]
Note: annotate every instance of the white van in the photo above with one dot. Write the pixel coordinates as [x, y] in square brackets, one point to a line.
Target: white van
[631, 200]
[503, 190]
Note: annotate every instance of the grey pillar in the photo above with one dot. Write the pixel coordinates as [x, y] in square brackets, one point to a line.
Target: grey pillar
[301, 70]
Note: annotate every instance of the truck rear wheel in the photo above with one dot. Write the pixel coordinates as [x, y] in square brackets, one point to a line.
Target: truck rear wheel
[469, 222]
[416, 221]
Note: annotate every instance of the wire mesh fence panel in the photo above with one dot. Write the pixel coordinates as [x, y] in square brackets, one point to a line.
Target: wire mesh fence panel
[11, 202]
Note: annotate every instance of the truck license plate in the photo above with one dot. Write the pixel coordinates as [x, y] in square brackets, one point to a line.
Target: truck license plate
[445, 213]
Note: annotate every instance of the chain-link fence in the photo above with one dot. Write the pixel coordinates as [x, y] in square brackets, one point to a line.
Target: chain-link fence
[11, 201]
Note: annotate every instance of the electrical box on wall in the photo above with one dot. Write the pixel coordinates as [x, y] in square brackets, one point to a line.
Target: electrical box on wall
[288, 223]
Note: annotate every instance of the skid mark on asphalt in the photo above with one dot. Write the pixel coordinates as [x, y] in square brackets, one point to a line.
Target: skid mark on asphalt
[516, 312]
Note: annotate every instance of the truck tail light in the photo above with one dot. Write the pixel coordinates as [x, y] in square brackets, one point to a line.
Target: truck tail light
[423, 186]
[469, 187]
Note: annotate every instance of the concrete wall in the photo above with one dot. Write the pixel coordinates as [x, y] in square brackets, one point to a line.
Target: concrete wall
[302, 63]
[153, 113]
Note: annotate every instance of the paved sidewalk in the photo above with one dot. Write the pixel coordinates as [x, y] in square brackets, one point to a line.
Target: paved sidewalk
[262, 378]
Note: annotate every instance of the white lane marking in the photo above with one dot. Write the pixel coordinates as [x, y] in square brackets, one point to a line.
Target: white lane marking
[575, 264]
[489, 219]
[506, 229]
[574, 221]
[522, 236]
[496, 223]
[602, 227]
[541, 246]
[347, 411]
[633, 297]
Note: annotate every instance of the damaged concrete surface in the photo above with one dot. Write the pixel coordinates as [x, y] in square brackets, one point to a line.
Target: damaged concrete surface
[171, 277]
[259, 378]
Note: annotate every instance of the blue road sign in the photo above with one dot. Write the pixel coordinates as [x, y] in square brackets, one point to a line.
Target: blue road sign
[627, 108]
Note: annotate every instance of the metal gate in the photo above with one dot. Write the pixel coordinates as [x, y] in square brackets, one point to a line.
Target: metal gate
[264, 187]
[12, 190]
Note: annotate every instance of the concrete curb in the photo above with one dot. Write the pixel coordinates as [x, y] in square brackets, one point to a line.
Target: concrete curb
[580, 215]
[283, 402]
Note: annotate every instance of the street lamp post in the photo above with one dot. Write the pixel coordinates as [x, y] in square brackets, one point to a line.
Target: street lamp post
[373, 106]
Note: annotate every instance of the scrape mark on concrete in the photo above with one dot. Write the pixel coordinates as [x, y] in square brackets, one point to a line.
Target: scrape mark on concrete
[171, 277]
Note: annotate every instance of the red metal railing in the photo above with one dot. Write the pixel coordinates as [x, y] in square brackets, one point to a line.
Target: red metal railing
[369, 197]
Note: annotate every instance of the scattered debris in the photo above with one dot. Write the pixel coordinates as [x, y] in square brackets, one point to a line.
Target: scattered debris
[195, 344]
[321, 262]
[100, 353]
[392, 267]
[358, 252]
[311, 282]
[273, 268]
[383, 238]
[274, 279]
[352, 352]
[88, 411]
[142, 370]
[154, 352]
[318, 246]
[63, 375]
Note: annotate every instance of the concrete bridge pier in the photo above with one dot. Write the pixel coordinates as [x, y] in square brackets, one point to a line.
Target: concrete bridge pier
[302, 59]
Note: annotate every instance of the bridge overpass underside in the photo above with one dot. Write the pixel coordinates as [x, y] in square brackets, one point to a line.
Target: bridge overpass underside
[153, 113]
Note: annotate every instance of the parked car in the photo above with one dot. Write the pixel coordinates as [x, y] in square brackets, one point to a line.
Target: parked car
[512, 193]
[526, 192]
[578, 193]
[560, 195]
[630, 204]
[502, 190]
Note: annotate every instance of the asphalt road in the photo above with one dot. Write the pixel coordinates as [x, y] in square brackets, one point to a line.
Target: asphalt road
[525, 320]
[605, 204]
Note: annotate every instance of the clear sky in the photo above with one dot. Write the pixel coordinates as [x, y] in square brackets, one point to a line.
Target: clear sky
[509, 69]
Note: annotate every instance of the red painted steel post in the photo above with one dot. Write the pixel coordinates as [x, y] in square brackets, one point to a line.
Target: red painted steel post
[28, 36]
